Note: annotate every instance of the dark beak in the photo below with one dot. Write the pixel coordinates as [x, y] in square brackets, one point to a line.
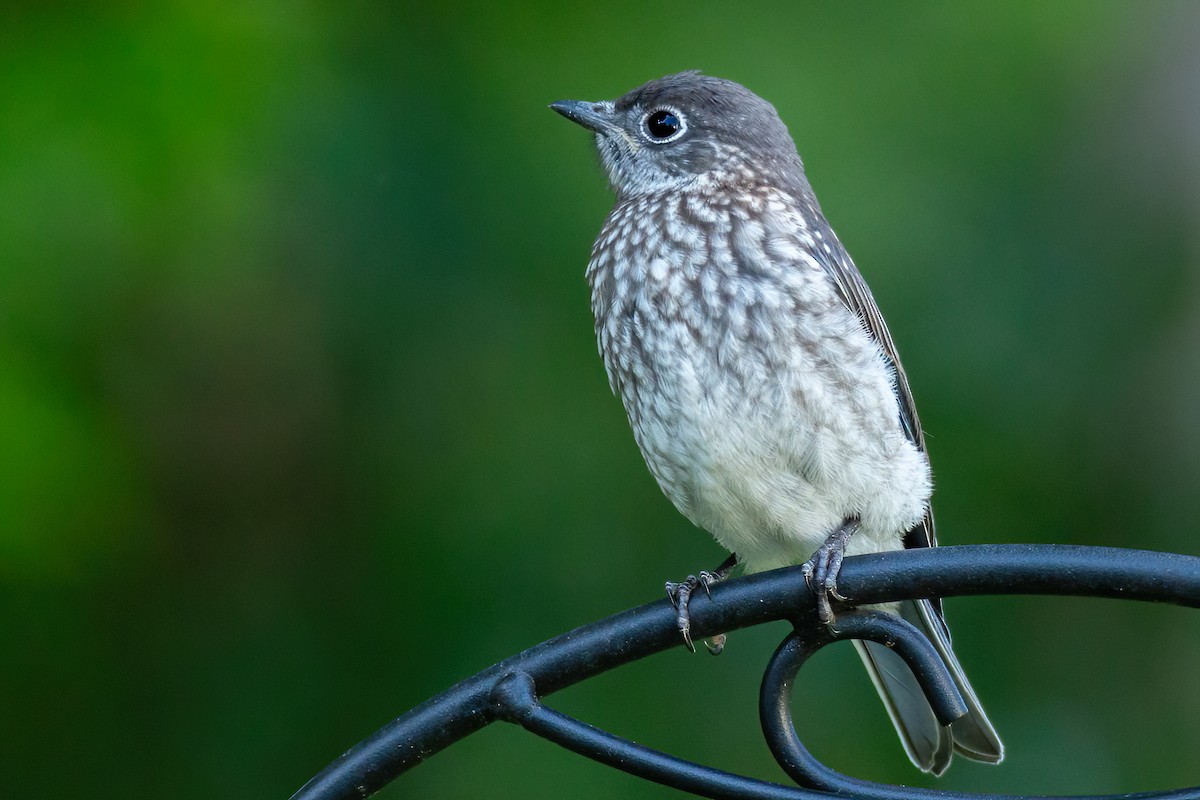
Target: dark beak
[596, 117]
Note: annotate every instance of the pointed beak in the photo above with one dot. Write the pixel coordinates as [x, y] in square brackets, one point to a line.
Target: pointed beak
[596, 117]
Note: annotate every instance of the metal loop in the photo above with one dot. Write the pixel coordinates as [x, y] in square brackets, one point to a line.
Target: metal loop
[774, 707]
[511, 690]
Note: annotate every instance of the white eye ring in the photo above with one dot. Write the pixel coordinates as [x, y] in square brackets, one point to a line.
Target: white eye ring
[663, 125]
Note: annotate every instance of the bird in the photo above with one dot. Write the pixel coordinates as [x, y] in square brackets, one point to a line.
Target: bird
[761, 382]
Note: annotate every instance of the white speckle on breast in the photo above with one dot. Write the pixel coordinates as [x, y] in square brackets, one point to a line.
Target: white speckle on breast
[658, 270]
[759, 401]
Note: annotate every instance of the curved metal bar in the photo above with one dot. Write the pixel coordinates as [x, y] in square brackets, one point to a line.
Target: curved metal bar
[774, 707]
[780, 594]
[517, 698]
[780, 732]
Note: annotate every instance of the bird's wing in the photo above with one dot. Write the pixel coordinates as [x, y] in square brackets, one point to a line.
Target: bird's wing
[853, 291]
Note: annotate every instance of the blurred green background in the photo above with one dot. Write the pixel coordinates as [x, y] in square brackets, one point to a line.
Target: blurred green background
[301, 418]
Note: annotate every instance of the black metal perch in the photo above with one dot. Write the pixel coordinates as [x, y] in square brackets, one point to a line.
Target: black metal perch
[512, 690]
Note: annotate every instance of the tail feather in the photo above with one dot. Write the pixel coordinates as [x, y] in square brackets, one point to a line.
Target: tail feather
[929, 744]
[974, 735]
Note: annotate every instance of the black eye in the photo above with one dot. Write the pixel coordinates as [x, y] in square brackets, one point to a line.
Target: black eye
[663, 125]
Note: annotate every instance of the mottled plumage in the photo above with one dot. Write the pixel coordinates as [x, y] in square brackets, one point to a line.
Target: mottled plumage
[760, 380]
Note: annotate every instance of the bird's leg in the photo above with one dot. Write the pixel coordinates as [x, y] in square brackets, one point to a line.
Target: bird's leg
[680, 595]
[821, 571]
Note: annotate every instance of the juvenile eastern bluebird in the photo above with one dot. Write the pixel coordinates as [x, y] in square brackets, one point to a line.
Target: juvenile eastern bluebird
[759, 377]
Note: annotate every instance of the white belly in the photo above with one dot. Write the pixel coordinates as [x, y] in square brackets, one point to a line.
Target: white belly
[772, 471]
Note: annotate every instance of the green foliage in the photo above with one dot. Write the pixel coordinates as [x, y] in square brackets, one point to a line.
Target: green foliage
[301, 418]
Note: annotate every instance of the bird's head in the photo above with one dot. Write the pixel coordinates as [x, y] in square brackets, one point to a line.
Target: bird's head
[666, 134]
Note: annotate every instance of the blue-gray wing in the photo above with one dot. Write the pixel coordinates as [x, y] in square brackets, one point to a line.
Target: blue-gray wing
[853, 291]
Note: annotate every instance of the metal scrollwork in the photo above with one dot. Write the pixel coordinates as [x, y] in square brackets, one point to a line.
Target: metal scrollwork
[512, 690]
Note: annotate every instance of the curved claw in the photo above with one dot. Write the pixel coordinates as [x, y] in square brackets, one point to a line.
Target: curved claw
[821, 571]
[680, 595]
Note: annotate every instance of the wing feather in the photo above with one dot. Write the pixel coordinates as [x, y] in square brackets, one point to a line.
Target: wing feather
[854, 292]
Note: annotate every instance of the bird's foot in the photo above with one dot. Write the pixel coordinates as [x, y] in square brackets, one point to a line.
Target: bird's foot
[821, 571]
[681, 593]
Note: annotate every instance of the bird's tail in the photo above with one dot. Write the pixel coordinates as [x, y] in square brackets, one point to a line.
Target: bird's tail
[928, 743]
